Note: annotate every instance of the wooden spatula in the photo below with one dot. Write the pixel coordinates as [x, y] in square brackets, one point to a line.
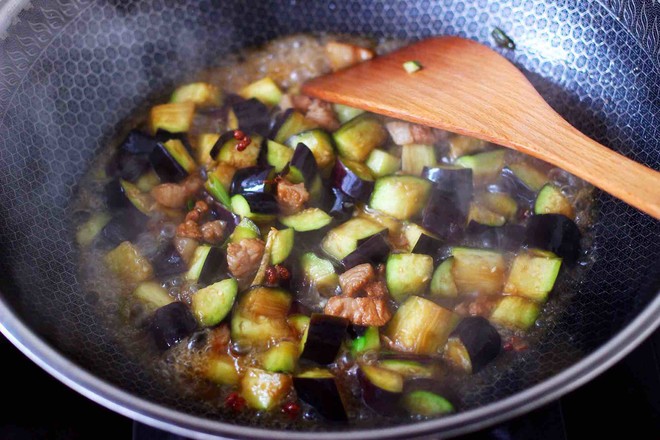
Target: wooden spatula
[467, 88]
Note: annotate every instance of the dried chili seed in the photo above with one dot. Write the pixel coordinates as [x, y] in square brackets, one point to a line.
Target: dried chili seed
[291, 409]
[235, 402]
[282, 272]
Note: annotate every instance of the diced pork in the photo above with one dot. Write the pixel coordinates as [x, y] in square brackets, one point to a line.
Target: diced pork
[360, 311]
[213, 232]
[291, 198]
[355, 279]
[175, 195]
[244, 257]
[323, 114]
[404, 133]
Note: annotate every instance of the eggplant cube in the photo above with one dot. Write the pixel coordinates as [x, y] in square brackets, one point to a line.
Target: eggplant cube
[322, 394]
[532, 276]
[555, 233]
[262, 389]
[408, 274]
[480, 339]
[381, 389]
[420, 326]
[325, 335]
[515, 312]
[478, 271]
[171, 324]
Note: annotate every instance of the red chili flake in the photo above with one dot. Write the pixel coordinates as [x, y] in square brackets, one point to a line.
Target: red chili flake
[515, 343]
[282, 272]
[271, 275]
[235, 402]
[291, 409]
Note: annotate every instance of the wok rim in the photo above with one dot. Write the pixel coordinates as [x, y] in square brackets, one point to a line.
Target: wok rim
[159, 416]
[181, 423]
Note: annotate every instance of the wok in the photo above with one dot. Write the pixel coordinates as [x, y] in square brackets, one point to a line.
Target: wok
[71, 72]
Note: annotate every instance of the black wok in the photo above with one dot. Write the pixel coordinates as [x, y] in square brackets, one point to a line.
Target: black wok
[72, 71]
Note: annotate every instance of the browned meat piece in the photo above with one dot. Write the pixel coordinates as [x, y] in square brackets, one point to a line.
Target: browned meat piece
[175, 195]
[301, 103]
[219, 339]
[376, 289]
[244, 257]
[186, 247]
[189, 229]
[480, 306]
[404, 133]
[353, 305]
[291, 198]
[322, 113]
[199, 210]
[355, 279]
[423, 135]
[214, 231]
[360, 311]
[316, 110]
[343, 55]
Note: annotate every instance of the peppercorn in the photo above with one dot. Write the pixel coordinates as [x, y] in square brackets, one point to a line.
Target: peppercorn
[282, 272]
[291, 409]
[234, 402]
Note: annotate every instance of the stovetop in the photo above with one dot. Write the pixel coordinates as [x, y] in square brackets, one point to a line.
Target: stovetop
[623, 402]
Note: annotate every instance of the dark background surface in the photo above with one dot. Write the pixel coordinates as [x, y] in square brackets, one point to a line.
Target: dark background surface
[624, 402]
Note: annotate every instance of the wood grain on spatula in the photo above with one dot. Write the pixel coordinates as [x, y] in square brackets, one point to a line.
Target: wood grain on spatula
[467, 88]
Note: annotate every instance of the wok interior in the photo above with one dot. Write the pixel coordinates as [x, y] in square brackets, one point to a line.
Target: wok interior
[76, 72]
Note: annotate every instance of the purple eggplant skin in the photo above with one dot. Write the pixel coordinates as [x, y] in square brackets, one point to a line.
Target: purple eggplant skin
[253, 116]
[278, 121]
[220, 212]
[382, 401]
[508, 237]
[165, 166]
[481, 340]
[168, 262]
[262, 203]
[555, 233]
[114, 195]
[214, 268]
[128, 166]
[372, 250]
[223, 139]
[137, 142]
[457, 180]
[339, 205]
[322, 395]
[252, 179]
[303, 160]
[455, 183]
[324, 338]
[428, 245]
[509, 183]
[350, 183]
[445, 215]
[125, 225]
[171, 324]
